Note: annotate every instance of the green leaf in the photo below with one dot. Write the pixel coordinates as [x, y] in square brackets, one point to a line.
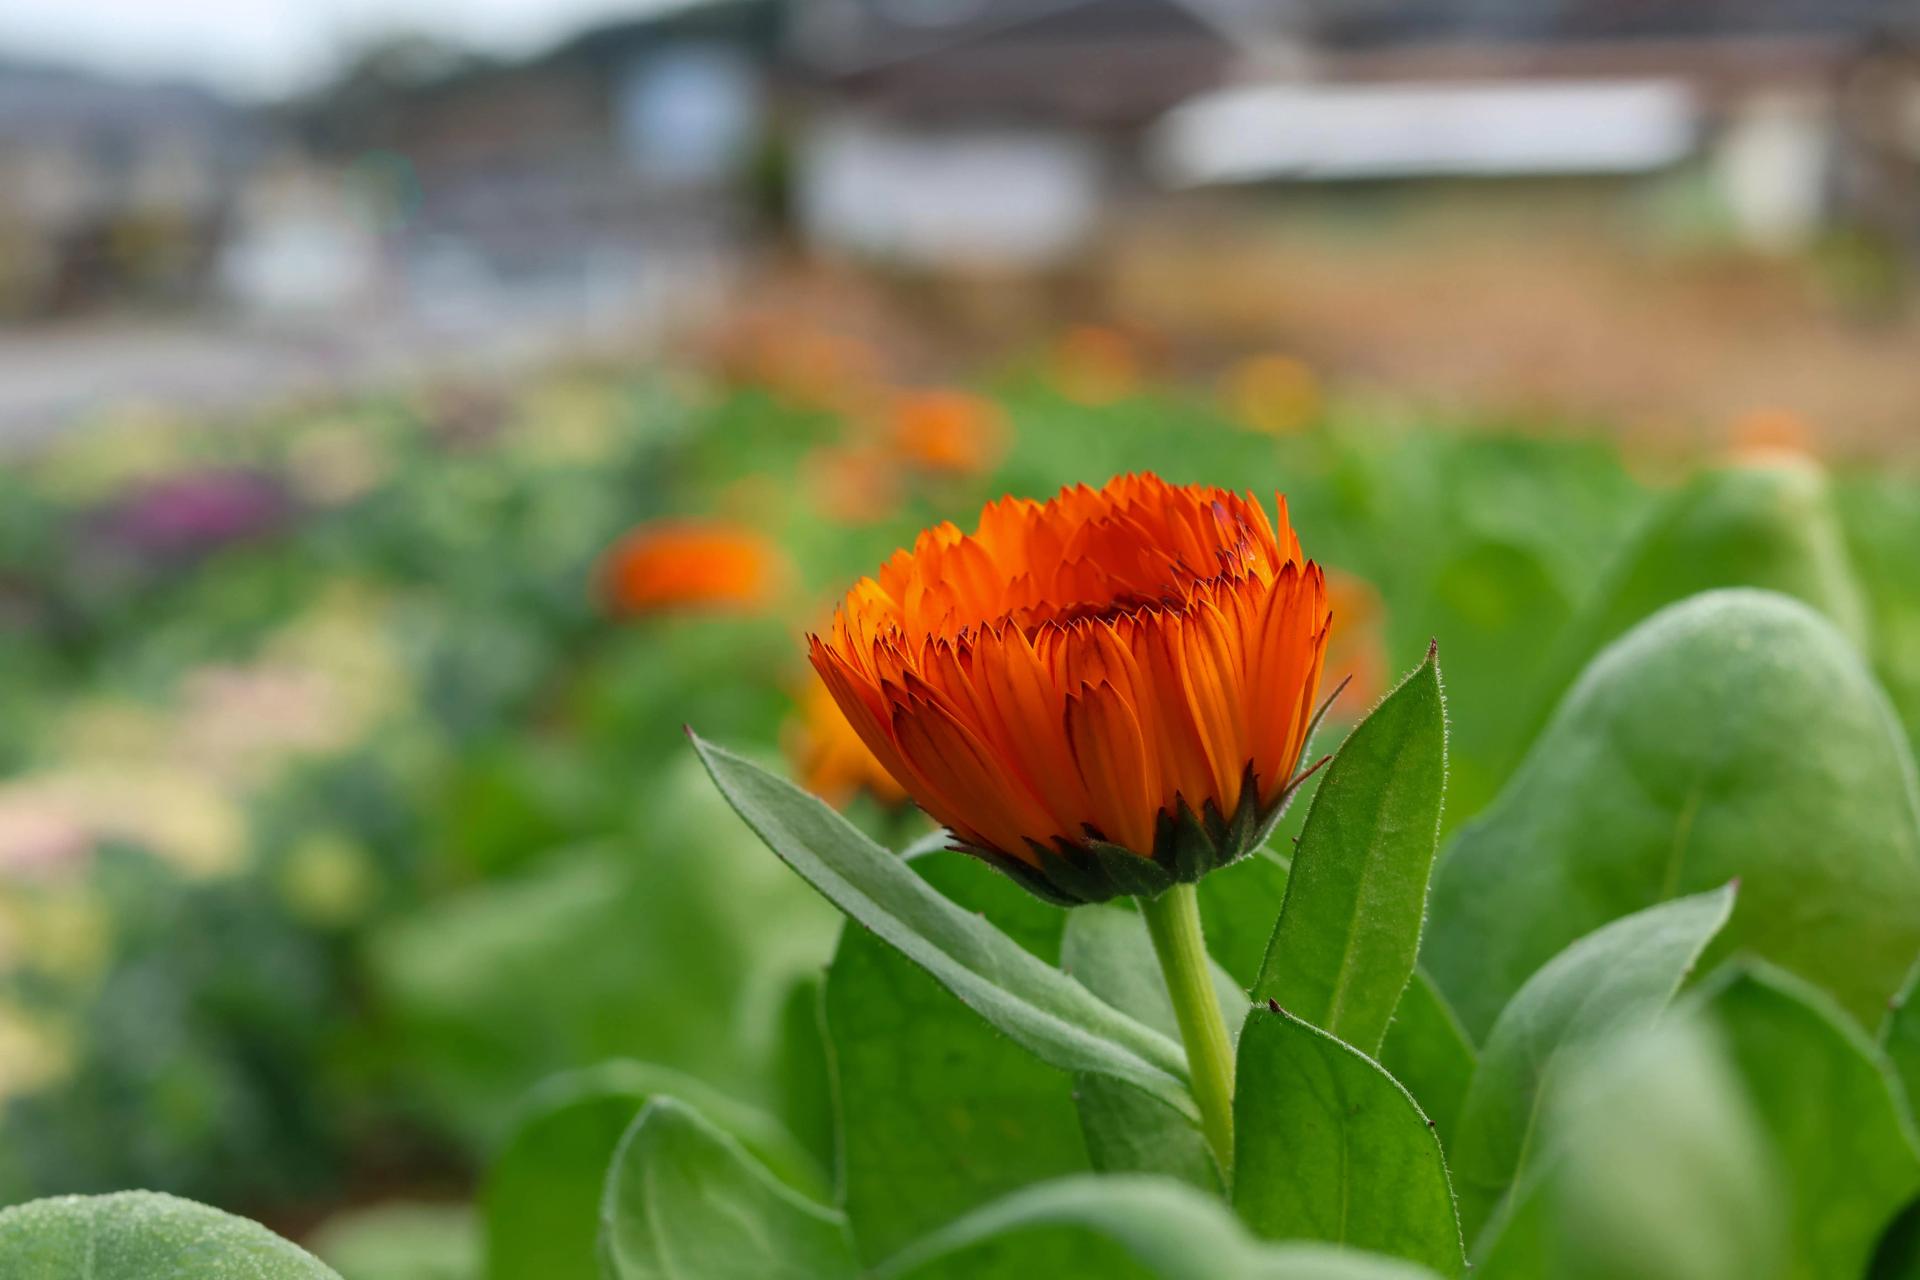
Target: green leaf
[1768, 524]
[1617, 977]
[802, 1071]
[1127, 1131]
[1664, 1173]
[1735, 735]
[1900, 1037]
[1350, 927]
[1829, 1101]
[401, 1241]
[685, 1201]
[1428, 1052]
[541, 1198]
[1328, 1146]
[1046, 1012]
[938, 1112]
[1166, 1228]
[1240, 901]
[1501, 609]
[142, 1235]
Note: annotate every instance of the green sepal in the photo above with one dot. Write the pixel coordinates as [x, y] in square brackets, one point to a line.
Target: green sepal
[1186, 846]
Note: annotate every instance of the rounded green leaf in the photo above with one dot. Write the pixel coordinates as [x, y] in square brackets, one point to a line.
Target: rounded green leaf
[1767, 523]
[1610, 981]
[1736, 735]
[1165, 1228]
[1328, 1146]
[142, 1235]
[938, 1112]
[541, 1199]
[1664, 1172]
[1828, 1100]
[684, 1201]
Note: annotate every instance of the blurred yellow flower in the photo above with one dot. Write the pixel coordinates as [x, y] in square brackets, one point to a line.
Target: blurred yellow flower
[332, 463]
[947, 430]
[828, 757]
[679, 564]
[327, 880]
[1275, 394]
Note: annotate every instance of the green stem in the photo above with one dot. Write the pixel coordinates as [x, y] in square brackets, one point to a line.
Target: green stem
[1173, 919]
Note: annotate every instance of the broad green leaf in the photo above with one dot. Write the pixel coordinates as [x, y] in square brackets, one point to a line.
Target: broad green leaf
[1350, 927]
[1500, 608]
[1829, 1101]
[470, 981]
[684, 1201]
[1046, 1012]
[1328, 1146]
[541, 1198]
[1618, 977]
[1767, 523]
[1735, 735]
[1428, 1052]
[1663, 1172]
[402, 1241]
[1653, 1167]
[1166, 1229]
[1240, 901]
[802, 1071]
[938, 1112]
[1127, 1131]
[1897, 1257]
[142, 1235]
[1880, 510]
[1900, 1037]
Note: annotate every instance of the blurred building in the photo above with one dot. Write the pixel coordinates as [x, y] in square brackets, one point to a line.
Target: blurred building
[110, 189]
[995, 132]
[626, 155]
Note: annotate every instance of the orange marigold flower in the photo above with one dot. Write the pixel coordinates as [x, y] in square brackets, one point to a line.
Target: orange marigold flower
[674, 564]
[829, 757]
[1101, 694]
[947, 430]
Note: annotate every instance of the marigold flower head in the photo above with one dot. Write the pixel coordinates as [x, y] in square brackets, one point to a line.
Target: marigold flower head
[1104, 693]
[675, 564]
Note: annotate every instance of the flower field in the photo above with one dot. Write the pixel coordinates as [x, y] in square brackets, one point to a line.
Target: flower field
[408, 843]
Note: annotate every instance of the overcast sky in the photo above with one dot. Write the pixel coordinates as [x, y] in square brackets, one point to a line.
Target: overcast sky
[268, 47]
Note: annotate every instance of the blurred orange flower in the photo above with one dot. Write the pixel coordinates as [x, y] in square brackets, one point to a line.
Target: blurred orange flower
[802, 364]
[1273, 393]
[679, 564]
[1104, 693]
[1094, 365]
[1358, 651]
[1765, 431]
[852, 484]
[829, 757]
[943, 430]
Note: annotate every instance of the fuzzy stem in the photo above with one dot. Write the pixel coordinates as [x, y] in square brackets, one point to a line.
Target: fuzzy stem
[1173, 919]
